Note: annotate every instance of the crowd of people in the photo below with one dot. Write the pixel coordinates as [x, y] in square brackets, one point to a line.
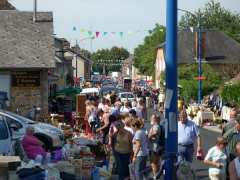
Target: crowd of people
[132, 142]
[122, 128]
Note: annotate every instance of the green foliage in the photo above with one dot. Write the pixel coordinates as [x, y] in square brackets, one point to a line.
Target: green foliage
[187, 75]
[113, 54]
[214, 16]
[230, 94]
[145, 54]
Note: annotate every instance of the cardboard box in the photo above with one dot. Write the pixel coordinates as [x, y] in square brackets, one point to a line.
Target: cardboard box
[10, 162]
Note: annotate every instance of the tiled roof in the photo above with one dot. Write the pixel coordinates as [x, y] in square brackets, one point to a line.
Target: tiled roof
[24, 43]
[220, 48]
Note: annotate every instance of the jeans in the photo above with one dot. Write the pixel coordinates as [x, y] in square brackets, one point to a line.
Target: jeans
[185, 153]
[122, 162]
[140, 166]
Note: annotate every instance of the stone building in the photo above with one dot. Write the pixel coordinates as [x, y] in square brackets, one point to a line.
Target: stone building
[26, 56]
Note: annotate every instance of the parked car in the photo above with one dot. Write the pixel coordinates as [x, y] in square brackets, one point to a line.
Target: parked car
[13, 128]
[126, 96]
[106, 89]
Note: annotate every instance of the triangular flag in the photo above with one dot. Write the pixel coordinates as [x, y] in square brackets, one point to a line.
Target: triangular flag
[74, 28]
[105, 33]
[97, 34]
[83, 30]
[90, 33]
[121, 34]
[130, 32]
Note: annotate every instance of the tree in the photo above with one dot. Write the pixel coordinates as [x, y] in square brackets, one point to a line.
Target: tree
[230, 93]
[145, 54]
[214, 16]
[187, 75]
[112, 55]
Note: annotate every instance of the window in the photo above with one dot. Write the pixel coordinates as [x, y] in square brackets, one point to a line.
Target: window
[11, 121]
[3, 129]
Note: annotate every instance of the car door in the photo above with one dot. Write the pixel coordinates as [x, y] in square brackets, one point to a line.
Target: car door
[5, 138]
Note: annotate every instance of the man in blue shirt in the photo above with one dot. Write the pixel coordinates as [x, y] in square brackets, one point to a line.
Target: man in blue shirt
[188, 133]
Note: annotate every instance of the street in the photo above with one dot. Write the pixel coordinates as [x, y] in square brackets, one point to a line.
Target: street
[208, 140]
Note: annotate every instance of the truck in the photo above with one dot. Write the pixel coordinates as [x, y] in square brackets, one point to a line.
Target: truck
[127, 83]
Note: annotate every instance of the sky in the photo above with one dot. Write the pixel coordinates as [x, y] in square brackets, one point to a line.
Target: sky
[125, 16]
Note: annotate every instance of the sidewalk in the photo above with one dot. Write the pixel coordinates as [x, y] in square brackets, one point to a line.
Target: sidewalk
[213, 128]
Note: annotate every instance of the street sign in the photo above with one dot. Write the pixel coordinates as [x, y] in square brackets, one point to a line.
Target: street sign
[200, 78]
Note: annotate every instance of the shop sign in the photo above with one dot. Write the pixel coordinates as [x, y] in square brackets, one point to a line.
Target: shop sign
[25, 79]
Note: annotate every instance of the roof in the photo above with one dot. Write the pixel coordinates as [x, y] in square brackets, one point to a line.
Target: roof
[25, 44]
[220, 48]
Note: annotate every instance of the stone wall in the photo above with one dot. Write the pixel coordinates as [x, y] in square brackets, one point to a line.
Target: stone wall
[25, 98]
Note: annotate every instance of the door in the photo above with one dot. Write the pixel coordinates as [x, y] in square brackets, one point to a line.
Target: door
[5, 138]
[4, 89]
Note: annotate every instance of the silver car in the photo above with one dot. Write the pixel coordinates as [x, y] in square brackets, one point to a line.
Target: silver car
[51, 136]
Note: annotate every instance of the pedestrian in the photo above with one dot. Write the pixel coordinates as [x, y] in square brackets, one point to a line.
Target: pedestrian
[232, 122]
[141, 110]
[126, 108]
[216, 158]
[154, 145]
[127, 121]
[234, 166]
[188, 133]
[233, 137]
[116, 108]
[140, 148]
[122, 146]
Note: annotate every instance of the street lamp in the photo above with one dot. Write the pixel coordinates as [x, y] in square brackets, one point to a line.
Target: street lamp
[199, 52]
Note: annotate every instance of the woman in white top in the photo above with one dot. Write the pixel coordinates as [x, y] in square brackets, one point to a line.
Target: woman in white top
[216, 158]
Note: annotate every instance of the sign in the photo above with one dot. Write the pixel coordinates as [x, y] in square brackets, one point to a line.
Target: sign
[200, 78]
[25, 79]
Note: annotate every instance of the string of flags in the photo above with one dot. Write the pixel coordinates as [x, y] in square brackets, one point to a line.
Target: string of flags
[96, 34]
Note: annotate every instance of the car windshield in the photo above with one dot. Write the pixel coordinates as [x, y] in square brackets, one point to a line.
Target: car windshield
[21, 118]
[127, 96]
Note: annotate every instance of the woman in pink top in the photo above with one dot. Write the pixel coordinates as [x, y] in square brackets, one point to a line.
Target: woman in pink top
[31, 145]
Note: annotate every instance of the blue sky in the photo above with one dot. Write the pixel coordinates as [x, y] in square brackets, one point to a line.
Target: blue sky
[111, 16]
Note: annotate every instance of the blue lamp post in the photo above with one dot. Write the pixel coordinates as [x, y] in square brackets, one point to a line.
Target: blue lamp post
[171, 90]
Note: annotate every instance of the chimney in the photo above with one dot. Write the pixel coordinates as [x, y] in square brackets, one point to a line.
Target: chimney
[3, 3]
[34, 10]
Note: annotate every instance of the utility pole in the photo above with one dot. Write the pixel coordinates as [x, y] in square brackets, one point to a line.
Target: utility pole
[76, 69]
[199, 54]
[171, 91]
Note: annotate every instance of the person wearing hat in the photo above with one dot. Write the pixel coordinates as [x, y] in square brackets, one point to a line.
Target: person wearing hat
[216, 158]
[233, 137]
[122, 147]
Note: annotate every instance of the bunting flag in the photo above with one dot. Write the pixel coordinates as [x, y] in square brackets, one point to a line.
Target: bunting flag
[97, 34]
[121, 34]
[90, 33]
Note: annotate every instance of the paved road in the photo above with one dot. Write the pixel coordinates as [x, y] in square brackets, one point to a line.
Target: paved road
[208, 138]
